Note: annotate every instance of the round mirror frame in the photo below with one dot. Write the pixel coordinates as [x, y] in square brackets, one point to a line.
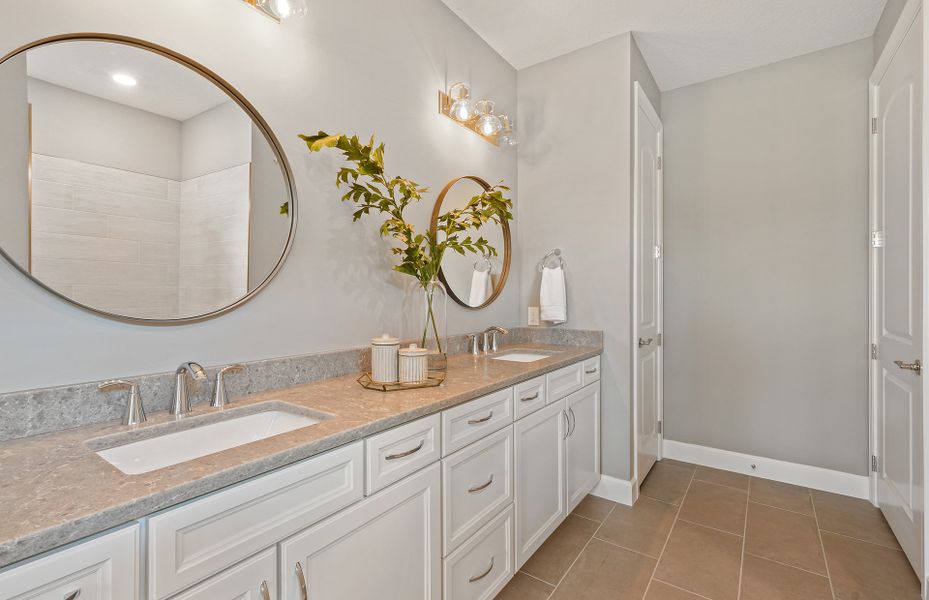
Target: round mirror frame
[507, 245]
[236, 97]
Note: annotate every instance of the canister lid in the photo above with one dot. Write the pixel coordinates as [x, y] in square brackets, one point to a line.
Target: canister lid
[385, 340]
[413, 350]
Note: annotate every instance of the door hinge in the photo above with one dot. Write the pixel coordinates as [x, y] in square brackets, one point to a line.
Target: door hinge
[660, 428]
[659, 163]
[658, 251]
[873, 351]
[877, 239]
[660, 338]
[873, 125]
[873, 463]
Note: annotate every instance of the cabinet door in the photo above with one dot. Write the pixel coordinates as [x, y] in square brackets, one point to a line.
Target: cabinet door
[387, 547]
[104, 568]
[583, 443]
[252, 579]
[539, 451]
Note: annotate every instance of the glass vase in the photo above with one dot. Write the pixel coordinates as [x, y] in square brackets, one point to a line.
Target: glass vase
[432, 331]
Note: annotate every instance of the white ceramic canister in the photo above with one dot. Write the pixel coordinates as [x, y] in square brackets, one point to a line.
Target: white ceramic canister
[384, 358]
[413, 364]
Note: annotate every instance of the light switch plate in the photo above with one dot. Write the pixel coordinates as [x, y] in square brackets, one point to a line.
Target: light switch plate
[533, 315]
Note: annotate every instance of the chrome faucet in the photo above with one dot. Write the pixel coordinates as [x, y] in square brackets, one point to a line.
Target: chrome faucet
[490, 337]
[135, 413]
[219, 399]
[181, 405]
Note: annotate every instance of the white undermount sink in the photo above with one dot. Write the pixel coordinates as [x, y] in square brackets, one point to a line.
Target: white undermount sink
[180, 446]
[524, 356]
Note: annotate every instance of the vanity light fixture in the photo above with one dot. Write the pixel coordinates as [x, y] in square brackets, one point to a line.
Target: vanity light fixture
[124, 79]
[479, 117]
[281, 10]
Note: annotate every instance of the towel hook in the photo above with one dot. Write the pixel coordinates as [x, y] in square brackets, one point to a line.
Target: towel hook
[555, 253]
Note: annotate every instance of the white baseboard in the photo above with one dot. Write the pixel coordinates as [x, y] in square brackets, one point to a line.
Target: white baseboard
[617, 490]
[817, 478]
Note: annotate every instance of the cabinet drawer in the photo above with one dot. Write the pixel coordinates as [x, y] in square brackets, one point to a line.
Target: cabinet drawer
[528, 397]
[564, 381]
[245, 581]
[394, 454]
[190, 543]
[477, 483]
[591, 370]
[104, 568]
[484, 564]
[473, 420]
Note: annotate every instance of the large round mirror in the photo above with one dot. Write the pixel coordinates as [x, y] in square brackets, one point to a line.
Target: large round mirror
[136, 183]
[473, 280]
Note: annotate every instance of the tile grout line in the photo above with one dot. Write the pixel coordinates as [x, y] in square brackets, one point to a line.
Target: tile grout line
[851, 537]
[744, 538]
[663, 582]
[578, 557]
[796, 512]
[783, 564]
[670, 531]
[710, 527]
[822, 546]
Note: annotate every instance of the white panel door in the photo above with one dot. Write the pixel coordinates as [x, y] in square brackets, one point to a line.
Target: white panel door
[583, 451]
[898, 282]
[387, 547]
[647, 295]
[539, 454]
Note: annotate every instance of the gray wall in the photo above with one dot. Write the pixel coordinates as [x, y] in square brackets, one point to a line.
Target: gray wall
[337, 289]
[214, 140]
[14, 161]
[575, 180]
[886, 25]
[69, 124]
[766, 269]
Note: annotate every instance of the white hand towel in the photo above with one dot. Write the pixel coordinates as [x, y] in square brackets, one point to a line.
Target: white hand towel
[481, 287]
[553, 300]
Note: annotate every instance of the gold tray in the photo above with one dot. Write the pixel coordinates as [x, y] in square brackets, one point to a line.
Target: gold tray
[367, 382]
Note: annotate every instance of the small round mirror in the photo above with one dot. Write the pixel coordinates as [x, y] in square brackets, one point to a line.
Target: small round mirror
[473, 280]
[136, 183]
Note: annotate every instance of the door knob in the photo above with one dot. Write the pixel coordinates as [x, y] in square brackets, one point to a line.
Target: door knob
[914, 366]
[645, 342]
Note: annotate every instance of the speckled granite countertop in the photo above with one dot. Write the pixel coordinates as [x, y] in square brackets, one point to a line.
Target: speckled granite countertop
[54, 489]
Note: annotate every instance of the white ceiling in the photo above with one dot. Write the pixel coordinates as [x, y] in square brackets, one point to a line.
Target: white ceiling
[165, 87]
[683, 41]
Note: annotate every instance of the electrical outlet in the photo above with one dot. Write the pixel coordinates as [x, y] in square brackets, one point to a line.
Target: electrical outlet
[533, 316]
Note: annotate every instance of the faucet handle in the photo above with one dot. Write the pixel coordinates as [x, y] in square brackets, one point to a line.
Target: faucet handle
[219, 399]
[474, 346]
[135, 413]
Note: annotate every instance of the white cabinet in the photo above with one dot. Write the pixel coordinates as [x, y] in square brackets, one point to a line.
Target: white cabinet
[252, 579]
[394, 454]
[484, 564]
[591, 370]
[539, 451]
[477, 483]
[103, 568]
[386, 547]
[583, 453]
[564, 381]
[195, 541]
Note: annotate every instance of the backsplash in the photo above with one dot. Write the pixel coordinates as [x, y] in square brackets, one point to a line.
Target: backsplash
[46, 410]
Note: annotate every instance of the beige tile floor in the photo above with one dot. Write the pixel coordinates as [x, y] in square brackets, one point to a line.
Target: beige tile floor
[703, 533]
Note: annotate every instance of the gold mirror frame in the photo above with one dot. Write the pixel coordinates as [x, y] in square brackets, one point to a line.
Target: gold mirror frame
[249, 110]
[507, 244]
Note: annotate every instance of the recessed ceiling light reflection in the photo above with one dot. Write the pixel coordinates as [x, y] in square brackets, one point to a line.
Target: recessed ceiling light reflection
[124, 79]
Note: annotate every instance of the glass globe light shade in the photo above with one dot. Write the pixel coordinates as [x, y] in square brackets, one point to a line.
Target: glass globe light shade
[507, 136]
[462, 109]
[488, 123]
[285, 9]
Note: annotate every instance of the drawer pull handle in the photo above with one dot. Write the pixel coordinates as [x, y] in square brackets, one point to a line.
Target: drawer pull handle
[484, 420]
[73, 594]
[301, 579]
[484, 574]
[265, 593]
[591, 371]
[482, 487]
[535, 396]
[573, 421]
[408, 452]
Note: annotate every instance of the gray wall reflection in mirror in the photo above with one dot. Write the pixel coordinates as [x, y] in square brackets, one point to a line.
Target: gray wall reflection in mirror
[133, 185]
[473, 280]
